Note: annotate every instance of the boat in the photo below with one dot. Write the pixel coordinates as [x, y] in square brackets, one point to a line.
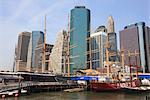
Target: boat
[135, 89]
[13, 93]
[99, 86]
[9, 93]
[109, 85]
[23, 92]
[144, 87]
[74, 90]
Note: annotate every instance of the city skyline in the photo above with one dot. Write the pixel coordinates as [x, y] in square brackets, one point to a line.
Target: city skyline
[16, 17]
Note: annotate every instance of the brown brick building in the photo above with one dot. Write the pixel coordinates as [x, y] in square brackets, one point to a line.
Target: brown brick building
[136, 37]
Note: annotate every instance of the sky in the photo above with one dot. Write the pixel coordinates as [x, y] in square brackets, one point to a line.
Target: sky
[17, 16]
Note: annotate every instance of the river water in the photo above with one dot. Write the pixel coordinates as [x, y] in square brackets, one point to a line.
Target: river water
[87, 95]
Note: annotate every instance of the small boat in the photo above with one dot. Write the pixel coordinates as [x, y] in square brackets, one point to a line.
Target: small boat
[74, 90]
[23, 92]
[135, 89]
[9, 93]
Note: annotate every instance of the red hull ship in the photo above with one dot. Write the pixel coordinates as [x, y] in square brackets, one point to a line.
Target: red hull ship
[98, 86]
[112, 86]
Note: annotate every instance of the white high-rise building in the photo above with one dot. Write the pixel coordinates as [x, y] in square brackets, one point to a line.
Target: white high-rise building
[59, 53]
[98, 40]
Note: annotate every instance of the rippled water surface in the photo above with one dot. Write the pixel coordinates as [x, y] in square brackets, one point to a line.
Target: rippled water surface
[83, 96]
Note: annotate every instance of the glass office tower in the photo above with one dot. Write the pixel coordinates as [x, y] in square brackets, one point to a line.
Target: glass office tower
[22, 51]
[98, 50]
[37, 38]
[79, 33]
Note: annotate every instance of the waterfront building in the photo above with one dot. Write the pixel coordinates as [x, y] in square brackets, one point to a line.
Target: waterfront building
[48, 52]
[136, 37]
[37, 38]
[22, 51]
[79, 34]
[98, 51]
[112, 39]
[58, 57]
[38, 57]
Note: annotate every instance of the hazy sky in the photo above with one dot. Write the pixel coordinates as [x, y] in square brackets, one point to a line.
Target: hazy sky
[28, 15]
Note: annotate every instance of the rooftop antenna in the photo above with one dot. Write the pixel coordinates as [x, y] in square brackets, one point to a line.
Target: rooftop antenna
[80, 3]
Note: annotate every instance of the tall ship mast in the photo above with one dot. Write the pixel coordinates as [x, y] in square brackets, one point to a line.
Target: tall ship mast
[107, 56]
[68, 50]
[15, 58]
[44, 47]
[90, 48]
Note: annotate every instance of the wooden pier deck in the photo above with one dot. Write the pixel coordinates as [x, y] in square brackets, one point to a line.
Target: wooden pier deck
[35, 86]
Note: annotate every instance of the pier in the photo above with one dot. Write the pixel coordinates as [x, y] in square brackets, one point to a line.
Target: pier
[32, 87]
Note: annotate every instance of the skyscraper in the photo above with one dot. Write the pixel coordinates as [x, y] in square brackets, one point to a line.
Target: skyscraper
[22, 51]
[112, 38]
[98, 41]
[110, 27]
[59, 53]
[79, 33]
[38, 57]
[136, 37]
[37, 38]
[48, 52]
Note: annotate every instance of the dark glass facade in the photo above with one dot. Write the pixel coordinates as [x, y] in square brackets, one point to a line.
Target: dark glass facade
[37, 39]
[147, 47]
[79, 32]
[38, 56]
[22, 51]
[113, 46]
[23, 43]
[136, 37]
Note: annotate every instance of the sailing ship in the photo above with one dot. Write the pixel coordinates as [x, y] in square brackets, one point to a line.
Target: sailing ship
[110, 83]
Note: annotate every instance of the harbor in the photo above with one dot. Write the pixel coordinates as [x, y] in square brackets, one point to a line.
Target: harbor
[74, 50]
[18, 87]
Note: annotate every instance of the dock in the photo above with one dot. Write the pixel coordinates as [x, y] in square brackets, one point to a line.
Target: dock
[33, 87]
